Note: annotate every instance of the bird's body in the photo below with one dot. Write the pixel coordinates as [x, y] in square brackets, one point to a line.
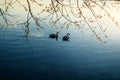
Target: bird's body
[54, 35]
[66, 38]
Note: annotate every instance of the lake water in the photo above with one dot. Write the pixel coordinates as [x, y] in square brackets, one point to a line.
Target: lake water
[42, 58]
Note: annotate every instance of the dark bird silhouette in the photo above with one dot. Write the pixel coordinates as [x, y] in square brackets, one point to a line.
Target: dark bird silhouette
[66, 38]
[54, 35]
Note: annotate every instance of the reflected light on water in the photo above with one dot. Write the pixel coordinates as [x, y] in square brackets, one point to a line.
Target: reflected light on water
[112, 30]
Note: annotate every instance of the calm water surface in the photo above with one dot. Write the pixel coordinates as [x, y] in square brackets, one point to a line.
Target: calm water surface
[41, 58]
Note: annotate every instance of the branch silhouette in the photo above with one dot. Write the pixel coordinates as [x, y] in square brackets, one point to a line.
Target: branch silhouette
[60, 13]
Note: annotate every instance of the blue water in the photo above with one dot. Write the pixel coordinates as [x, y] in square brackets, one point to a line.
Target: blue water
[42, 58]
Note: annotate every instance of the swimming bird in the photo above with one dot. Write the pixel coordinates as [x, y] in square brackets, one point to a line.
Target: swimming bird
[66, 37]
[54, 35]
